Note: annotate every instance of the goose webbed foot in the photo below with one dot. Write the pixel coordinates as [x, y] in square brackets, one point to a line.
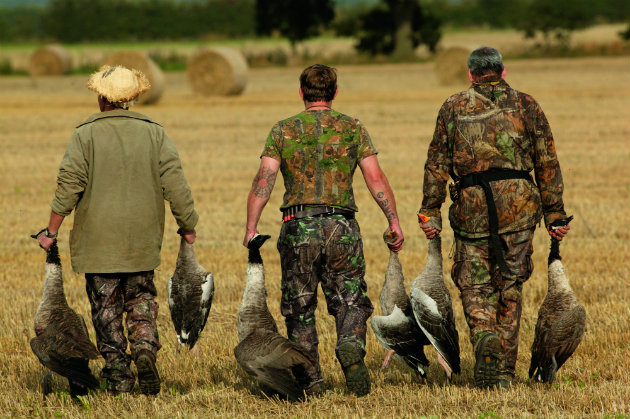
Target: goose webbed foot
[447, 368]
[388, 359]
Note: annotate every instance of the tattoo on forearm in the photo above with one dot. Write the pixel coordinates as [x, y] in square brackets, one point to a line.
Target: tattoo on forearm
[263, 182]
[384, 204]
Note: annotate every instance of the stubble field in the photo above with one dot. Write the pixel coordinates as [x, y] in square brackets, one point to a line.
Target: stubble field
[219, 139]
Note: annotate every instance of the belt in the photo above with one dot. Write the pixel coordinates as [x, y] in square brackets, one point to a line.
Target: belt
[483, 179]
[302, 211]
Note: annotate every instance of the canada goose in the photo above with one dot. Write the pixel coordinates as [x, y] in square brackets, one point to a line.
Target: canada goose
[62, 343]
[561, 322]
[397, 329]
[190, 292]
[263, 353]
[433, 310]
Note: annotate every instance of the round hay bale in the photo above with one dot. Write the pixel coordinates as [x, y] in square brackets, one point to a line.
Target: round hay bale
[451, 66]
[141, 62]
[217, 72]
[51, 60]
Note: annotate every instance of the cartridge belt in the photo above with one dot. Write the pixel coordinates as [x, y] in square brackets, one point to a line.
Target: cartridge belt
[301, 211]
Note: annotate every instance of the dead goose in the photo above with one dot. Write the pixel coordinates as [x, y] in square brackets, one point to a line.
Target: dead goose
[397, 329]
[561, 321]
[263, 353]
[433, 310]
[62, 343]
[190, 292]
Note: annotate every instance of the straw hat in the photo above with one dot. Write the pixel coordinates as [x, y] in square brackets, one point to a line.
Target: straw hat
[118, 84]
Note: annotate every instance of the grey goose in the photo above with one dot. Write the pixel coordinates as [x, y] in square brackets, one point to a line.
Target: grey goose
[433, 310]
[561, 321]
[270, 358]
[61, 341]
[190, 292]
[396, 329]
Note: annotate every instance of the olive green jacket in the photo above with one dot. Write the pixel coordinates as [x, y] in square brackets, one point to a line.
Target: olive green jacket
[117, 171]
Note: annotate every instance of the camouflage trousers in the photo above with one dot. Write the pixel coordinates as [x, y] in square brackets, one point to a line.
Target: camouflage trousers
[112, 295]
[326, 250]
[491, 298]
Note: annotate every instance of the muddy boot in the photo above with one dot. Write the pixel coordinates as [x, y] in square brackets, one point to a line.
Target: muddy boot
[148, 377]
[487, 352]
[357, 376]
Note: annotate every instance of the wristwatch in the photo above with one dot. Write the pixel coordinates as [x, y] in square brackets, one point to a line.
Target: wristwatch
[49, 234]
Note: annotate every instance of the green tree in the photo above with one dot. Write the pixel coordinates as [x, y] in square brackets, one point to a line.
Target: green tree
[296, 20]
[555, 20]
[397, 27]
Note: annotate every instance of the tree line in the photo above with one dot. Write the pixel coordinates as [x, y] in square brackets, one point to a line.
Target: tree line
[389, 27]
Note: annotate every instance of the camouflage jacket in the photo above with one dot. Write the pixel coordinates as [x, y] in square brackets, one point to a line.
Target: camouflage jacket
[492, 126]
[318, 153]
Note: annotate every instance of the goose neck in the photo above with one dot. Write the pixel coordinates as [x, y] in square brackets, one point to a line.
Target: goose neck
[255, 283]
[53, 283]
[558, 280]
[186, 251]
[434, 253]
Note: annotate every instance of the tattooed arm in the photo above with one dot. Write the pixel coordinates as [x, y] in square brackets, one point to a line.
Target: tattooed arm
[382, 193]
[262, 186]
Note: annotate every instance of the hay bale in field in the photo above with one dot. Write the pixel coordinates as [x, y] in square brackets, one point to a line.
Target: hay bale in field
[451, 67]
[141, 62]
[51, 60]
[217, 71]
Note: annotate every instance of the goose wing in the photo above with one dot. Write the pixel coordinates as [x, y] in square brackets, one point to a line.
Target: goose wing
[438, 324]
[62, 354]
[401, 334]
[568, 333]
[274, 361]
[190, 299]
[175, 305]
[190, 292]
[557, 336]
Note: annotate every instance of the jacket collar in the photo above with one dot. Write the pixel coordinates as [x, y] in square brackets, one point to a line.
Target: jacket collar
[490, 86]
[118, 113]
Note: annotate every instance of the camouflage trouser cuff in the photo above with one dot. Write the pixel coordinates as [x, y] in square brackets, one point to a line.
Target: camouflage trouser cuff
[119, 381]
[357, 343]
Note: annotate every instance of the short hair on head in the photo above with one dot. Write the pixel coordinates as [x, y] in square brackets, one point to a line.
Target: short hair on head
[484, 60]
[318, 83]
[126, 104]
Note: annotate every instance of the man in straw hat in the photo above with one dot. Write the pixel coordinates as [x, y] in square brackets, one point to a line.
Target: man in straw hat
[118, 169]
[318, 151]
[488, 139]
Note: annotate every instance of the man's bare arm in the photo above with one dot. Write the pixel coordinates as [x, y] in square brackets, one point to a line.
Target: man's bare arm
[262, 186]
[382, 193]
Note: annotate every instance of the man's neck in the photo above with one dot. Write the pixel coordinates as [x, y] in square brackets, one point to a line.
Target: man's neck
[317, 106]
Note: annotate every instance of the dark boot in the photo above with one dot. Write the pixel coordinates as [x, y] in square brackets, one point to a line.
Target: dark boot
[487, 353]
[148, 377]
[357, 375]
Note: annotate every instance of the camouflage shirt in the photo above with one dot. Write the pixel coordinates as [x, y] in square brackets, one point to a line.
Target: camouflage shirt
[318, 153]
[492, 126]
